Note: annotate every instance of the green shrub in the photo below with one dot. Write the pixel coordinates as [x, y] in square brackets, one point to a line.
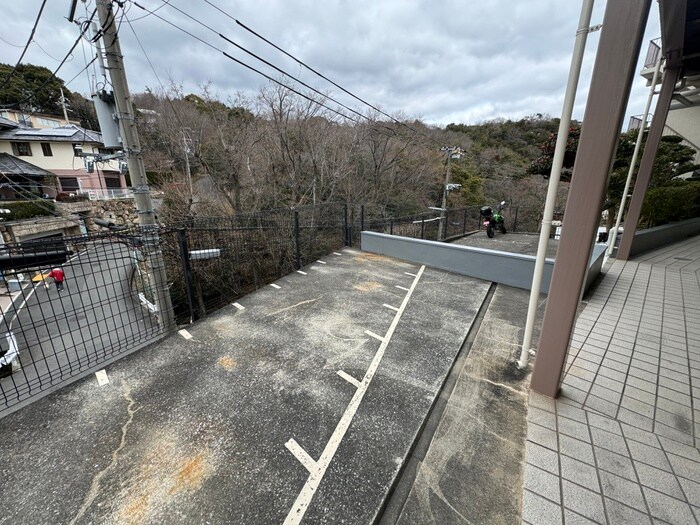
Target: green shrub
[677, 202]
[28, 209]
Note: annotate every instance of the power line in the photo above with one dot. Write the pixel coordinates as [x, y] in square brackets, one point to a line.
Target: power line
[247, 65]
[269, 64]
[10, 43]
[143, 50]
[29, 41]
[45, 52]
[81, 71]
[304, 64]
[30, 196]
[165, 2]
[84, 27]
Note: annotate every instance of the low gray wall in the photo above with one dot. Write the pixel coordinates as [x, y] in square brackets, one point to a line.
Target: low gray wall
[512, 269]
[645, 240]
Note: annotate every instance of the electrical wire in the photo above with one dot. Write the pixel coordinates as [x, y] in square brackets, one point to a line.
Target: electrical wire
[30, 196]
[10, 43]
[46, 52]
[269, 64]
[300, 62]
[165, 2]
[24, 51]
[347, 117]
[84, 27]
[304, 64]
[81, 71]
[143, 50]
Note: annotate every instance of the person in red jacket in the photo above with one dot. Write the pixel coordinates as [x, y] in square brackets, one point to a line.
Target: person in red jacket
[58, 277]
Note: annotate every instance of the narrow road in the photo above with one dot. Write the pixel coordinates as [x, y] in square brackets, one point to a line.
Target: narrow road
[61, 334]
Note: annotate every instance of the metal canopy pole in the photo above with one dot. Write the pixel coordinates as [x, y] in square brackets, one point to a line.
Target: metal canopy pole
[555, 175]
[613, 72]
[637, 147]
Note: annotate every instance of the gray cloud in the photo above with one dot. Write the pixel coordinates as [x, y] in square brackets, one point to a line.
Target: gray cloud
[445, 61]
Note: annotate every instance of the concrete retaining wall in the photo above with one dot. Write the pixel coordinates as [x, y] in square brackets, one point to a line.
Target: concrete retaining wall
[512, 269]
[645, 240]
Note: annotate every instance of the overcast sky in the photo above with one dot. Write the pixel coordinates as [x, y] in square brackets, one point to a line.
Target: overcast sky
[441, 61]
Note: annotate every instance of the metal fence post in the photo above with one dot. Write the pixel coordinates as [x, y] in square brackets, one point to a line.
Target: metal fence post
[187, 271]
[422, 228]
[362, 217]
[445, 232]
[464, 222]
[391, 226]
[515, 220]
[346, 227]
[297, 239]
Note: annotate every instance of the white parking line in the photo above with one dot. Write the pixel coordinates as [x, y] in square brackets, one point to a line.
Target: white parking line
[372, 334]
[275, 286]
[411, 274]
[302, 273]
[301, 455]
[239, 306]
[349, 378]
[317, 469]
[402, 288]
[336, 253]
[391, 307]
[322, 262]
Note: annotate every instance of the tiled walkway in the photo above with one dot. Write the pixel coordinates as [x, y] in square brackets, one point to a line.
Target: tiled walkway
[620, 445]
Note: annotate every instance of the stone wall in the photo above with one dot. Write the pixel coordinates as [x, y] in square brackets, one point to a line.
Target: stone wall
[121, 212]
[28, 229]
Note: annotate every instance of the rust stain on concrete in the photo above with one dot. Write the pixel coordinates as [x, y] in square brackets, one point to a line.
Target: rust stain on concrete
[136, 511]
[190, 474]
[369, 257]
[368, 286]
[226, 362]
[164, 475]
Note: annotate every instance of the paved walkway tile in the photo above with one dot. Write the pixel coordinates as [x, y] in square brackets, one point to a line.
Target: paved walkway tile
[621, 445]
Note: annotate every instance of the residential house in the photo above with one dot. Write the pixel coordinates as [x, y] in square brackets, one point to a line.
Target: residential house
[60, 150]
[35, 120]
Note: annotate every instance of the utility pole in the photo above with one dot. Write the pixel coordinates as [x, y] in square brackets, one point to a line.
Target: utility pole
[187, 171]
[132, 148]
[63, 105]
[457, 153]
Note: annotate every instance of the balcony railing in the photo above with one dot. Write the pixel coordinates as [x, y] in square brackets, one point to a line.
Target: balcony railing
[653, 53]
[108, 194]
[635, 123]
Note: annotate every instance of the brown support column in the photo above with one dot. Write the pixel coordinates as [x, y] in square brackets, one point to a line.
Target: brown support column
[616, 60]
[645, 167]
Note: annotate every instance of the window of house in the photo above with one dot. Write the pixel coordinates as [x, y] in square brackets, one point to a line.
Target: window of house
[69, 183]
[112, 182]
[21, 149]
[46, 149]
[77, 150]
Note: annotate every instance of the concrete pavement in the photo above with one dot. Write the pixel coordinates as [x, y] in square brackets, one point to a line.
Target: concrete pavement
[300, 403]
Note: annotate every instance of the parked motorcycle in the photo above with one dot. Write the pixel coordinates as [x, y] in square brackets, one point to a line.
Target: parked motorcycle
[493, 221]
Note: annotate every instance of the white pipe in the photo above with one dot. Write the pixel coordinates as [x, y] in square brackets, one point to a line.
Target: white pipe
[637, 147]
[555, 174]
